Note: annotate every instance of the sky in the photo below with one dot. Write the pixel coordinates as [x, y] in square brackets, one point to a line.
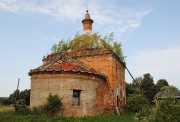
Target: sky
[149, 31]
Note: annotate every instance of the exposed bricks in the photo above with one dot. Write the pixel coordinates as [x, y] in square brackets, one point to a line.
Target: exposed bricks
[113, 69]
[67, 66]
[96, 97]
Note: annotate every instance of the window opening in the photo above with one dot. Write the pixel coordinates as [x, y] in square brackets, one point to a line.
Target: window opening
[76, 98]
[117, 101]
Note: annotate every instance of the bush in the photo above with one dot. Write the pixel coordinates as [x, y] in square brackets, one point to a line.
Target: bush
[87, 41]
[50, 108]
[168, 111]
[23, 110]
[136, 102]
[38, 110]
[145, 115]
[52, 105]
[21, 102]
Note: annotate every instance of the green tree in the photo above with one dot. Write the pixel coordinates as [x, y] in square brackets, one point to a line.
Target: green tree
[170, 91]
[160, 83]
[25, 95]
[129, 89]
[148, 87]
[137, 85]
[12, 97]
[143, 85]
[134, 87]
[7, 102]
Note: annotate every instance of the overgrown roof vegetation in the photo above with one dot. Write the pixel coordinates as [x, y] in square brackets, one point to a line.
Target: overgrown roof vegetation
[89, 41]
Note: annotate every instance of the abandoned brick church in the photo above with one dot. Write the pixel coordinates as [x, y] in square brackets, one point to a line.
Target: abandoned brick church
[90, 81]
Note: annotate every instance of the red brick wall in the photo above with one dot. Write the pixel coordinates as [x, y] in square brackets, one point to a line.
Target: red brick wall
[103, 61]
[119, 81]
[109, 65]
[100, 63]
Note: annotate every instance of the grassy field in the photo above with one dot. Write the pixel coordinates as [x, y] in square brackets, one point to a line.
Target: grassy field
[8, 115]
[6, 108]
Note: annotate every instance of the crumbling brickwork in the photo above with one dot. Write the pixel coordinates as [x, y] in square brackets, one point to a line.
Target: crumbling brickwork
[91, 103]
[91, 81]
[113, 68]
[106, 62]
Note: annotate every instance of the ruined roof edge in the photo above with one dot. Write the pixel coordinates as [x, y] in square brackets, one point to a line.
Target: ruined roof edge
[99, 75]
[109, 51]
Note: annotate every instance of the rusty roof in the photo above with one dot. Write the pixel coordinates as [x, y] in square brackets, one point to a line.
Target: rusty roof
[65, 63]
[85, 53]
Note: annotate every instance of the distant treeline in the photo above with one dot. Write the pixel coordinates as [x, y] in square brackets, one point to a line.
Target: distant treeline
[22, 96]
[2, 99]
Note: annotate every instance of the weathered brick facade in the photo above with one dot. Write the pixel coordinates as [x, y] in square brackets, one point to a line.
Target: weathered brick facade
[97, 74]
[113, 68]
[63, 85]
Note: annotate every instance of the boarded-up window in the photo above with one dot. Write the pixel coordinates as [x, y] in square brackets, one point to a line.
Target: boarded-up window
[76, 97]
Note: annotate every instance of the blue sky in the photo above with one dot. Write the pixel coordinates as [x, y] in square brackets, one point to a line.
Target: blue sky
[148, 30]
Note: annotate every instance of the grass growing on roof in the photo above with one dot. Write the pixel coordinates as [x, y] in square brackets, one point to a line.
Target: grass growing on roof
[89, 41]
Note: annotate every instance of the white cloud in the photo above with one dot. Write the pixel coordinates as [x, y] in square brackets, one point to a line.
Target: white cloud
[159, 63]
[158, 60]
[56, 8]
[110, 18]
[106, 14]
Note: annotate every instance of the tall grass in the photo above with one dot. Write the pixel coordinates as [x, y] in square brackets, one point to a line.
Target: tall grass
[6, 108]
[11, 116]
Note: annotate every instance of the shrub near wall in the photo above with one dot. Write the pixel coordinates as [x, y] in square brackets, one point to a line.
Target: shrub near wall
[50, 108]
[53, 104]
[136, 103]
